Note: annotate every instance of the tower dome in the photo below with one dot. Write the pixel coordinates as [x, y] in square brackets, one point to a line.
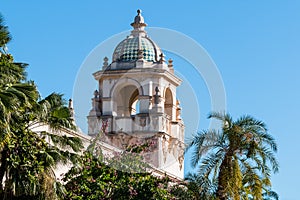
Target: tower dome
[137, 45]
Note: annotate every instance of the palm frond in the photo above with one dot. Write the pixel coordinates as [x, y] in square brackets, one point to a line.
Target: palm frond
[64, 142]
[223, 117]
[270, 195]
[5, 36]
[210, 162]
[201, 143]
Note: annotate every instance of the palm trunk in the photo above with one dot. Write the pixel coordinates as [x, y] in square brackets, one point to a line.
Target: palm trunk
[223, 179]
[2, 168]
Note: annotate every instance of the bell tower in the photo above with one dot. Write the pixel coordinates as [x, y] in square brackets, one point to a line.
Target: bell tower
[136, 101]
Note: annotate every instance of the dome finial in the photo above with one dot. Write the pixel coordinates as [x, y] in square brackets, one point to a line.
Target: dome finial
[138, 23]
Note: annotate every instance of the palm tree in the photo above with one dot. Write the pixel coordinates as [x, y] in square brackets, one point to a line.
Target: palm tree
[26, 159]
[240, 156]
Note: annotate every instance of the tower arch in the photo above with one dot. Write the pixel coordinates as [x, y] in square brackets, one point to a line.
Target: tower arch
[124, 82]
[123, 95]
[169, 103]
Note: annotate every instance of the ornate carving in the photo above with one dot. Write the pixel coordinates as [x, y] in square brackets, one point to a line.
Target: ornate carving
[170, 63]
[155, 122]
[178, 111]
[164, 148]
[96, 94]
[143, 121]
[180, 155]
[162, 58]
[180, 159]
[105, 63]
[156, 96]
[104, 126]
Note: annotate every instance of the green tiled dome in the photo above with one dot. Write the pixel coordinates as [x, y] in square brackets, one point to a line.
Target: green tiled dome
[127, 50]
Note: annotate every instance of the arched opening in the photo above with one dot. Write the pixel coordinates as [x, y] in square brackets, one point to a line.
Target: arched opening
[126, 101]
[169, 103]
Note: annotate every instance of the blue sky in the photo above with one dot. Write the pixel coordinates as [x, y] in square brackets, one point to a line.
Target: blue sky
[255, 45]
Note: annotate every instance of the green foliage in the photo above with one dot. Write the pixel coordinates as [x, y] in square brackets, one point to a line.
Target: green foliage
[4, 33]
[201, 187]
[24, 163]
[27, 160]
[94, 179]
[185, 191]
